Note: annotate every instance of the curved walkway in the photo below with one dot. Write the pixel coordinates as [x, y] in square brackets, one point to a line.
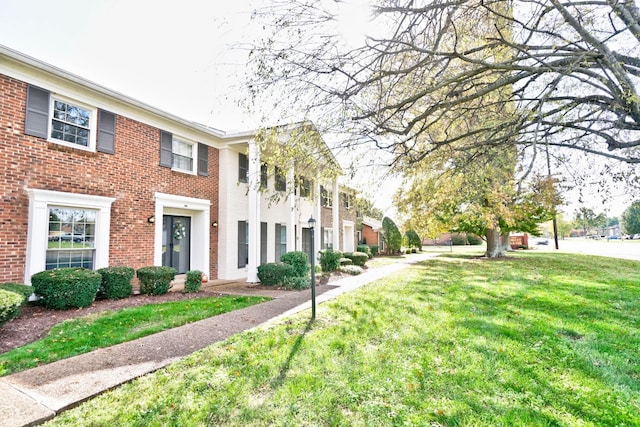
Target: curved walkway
[34, 396]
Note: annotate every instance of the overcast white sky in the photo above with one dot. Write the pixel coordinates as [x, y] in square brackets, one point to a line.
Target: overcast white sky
[174, 55]
[178, 56]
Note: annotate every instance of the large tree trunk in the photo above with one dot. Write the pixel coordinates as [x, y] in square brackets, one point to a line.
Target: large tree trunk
[494, 243]
[506, 242]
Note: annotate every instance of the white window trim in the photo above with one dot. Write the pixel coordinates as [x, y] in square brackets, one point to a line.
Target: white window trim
[38, 231]
[194, 156]
[93, 123]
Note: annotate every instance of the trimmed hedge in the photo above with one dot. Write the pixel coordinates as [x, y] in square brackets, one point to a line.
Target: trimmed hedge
[358, 258]
[155, 280]
[296, 282]
[10, 303]
[299, 260]
[116, 282]
[193, 282]
[330, 260]
[345, 261]
[18, 288]
[66, 287]
[354, 270]
[365, 249]
[274, 273]
[374, 249]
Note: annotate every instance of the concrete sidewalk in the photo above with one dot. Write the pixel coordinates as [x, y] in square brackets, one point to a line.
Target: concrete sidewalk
[34, 396]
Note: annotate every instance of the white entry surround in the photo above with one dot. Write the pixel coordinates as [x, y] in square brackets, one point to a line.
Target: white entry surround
[200, 212]
[349, 229]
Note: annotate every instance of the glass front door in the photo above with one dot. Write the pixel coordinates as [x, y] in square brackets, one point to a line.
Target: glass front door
[176, 242]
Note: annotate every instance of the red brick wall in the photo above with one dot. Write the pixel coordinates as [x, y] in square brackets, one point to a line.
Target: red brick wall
[132, 175]
[368, 235]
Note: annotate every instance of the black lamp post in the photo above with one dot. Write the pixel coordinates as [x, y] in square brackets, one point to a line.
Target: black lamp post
[312, 223]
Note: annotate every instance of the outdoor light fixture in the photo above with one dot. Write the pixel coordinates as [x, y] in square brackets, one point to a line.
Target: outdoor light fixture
[214, 224]
[151, 219]
[312, 223]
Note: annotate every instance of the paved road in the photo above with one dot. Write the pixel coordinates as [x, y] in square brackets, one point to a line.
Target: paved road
[627, 249]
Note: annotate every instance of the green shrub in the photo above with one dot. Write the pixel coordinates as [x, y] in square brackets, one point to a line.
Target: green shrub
[296, 282]
[116, 282]
[413, 240]
[19, 288]
[459, 239]
[374, 249]
[10, 303]
[354, 270]
[358, 258]
[66, 287]
[274, 273]
[330, 260]
[193, 282]
[474, 240]
[155, 280]
[299, 260]
[345, 261]
[365, 249]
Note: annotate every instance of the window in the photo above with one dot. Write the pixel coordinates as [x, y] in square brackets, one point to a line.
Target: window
[67, 229]
[264, 177]
[70, 123]
[71, 238]
[243, 167]
[64, 121]
[327, 238]
[325, 198]
[346, 200]
[182, 155]
[243, 244]
[281, 240]
[305, 187]
[281, 180]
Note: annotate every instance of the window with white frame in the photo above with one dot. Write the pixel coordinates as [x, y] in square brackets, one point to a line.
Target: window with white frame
[326, 197]
[183, 155]
[327, 238]
[67, 229]
[70, 123]
[71, 238]
[243, 167]
[281, 179]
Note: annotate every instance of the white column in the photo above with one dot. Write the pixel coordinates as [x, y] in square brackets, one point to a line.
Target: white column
[335, 211]
[254, 212]
[293, 213]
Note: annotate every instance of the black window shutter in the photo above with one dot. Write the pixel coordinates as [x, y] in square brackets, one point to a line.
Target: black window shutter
[106, 132]
[263, 243]
[166, 149]
[242, 244]
[278, 242]
[203, 159]
[37, 117]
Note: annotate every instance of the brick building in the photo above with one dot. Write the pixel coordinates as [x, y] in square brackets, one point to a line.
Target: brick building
[93, 178]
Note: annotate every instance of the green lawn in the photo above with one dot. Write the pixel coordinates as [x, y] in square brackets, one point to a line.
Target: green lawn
[107, 328]
[537, 340]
